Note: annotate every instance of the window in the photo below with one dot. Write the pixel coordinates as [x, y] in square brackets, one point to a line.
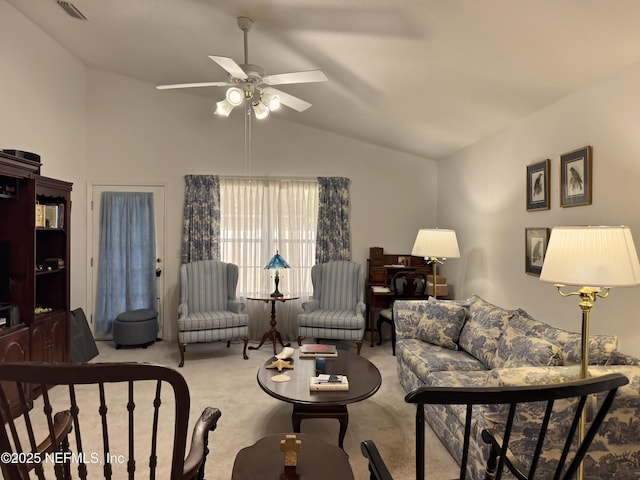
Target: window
[259, 217]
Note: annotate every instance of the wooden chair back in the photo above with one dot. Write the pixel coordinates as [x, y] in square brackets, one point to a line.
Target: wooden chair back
[513, 399]
[103, 420]
[409, 284]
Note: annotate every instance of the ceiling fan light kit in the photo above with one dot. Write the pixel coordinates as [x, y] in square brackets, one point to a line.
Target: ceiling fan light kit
[223, 108]
[247, 83]
[234, 96]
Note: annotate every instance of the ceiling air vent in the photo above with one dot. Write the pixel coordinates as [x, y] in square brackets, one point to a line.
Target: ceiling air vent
[71, 10]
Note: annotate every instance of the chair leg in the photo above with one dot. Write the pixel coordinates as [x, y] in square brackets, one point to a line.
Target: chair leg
[358, 346]
[182, 347]
[228, 343]
[299, 340]
[379, 329]
[244, 350]
[393, 338]
[492, 465]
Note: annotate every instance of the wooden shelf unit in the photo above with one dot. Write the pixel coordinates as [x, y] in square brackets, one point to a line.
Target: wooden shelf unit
[39, 263]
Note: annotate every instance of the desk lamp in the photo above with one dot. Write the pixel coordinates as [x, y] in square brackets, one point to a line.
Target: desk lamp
[436, 245]
[277, 262]
[594, 259]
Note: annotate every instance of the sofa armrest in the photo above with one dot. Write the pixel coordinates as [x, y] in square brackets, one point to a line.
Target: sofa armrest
[183, 310]
[237, 306]
[311, 305]
[361, 308]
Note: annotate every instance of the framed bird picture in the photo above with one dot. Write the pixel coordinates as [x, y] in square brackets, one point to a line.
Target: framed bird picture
[538, 186]
[536, 240]
[575, 178]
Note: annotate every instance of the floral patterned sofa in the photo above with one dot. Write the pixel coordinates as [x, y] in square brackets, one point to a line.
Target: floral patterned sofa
[474, 343]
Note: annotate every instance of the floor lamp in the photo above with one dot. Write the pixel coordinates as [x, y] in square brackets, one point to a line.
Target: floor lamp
[435, 245]
[594, 259]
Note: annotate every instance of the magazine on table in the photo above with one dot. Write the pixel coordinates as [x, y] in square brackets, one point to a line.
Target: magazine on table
[311, 350]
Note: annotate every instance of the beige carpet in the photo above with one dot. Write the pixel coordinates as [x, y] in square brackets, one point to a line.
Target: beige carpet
[219, 377]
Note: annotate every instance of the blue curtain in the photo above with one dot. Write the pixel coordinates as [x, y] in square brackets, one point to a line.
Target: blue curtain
[127, 264]
[333, 240]
[201, 220]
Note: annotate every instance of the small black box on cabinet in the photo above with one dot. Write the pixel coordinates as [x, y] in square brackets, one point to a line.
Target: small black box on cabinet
[34, 157]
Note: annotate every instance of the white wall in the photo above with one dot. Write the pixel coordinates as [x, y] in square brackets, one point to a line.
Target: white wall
[139, 134]
[92, 126]
[42, 100]
[482, 196]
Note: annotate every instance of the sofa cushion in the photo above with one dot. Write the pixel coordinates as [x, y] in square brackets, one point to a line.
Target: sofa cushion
[418, 359]
[441, 324]
[220, 319]
[516, 349]
[601, 347]
[481, 333]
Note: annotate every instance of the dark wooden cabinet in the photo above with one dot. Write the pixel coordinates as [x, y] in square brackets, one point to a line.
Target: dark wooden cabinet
[35, 236]
[14, 347]
[49, 338]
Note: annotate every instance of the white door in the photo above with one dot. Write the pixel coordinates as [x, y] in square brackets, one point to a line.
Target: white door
[93, 236]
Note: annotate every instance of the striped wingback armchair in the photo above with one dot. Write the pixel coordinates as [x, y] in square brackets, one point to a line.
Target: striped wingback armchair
[336, 309]
[209, 310]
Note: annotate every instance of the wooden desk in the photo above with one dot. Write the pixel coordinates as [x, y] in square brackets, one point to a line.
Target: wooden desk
[377, 301]
[317, 460]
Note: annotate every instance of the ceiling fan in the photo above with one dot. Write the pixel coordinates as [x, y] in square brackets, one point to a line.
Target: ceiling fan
[247, 82]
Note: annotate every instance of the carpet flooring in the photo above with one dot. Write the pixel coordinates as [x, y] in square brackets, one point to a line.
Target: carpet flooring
[219, 377]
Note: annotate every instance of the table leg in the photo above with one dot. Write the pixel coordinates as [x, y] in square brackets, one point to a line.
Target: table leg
[372, 327]
[272, 333]
[339, 412]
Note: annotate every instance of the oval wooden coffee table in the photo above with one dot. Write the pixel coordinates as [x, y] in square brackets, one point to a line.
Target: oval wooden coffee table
[364, 380]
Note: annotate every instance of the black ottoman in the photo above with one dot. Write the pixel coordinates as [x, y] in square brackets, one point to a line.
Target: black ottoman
[136, 327]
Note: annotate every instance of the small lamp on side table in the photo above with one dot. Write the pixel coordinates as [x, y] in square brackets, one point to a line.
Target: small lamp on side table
[594, 259]
[436, 245]
[277, 262]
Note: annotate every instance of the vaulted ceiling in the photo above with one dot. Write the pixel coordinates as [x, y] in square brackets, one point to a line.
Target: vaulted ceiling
[427, 77]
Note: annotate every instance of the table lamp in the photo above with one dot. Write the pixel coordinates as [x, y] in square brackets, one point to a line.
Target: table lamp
[436, 245]
[594, 259]
[277, 262]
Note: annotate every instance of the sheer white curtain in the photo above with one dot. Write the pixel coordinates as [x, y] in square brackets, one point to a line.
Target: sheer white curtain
[257, 218]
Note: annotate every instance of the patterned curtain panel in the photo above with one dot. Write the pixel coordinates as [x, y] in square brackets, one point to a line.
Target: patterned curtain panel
[334, 233]
[201, 222]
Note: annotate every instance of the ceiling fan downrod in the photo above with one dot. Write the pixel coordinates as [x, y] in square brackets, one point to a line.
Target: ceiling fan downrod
[245, 24]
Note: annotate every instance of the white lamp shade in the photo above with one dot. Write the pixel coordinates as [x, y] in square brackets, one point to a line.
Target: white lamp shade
[235, 96]
[223, 108]
[591, 256]
[271, 100]
[436, 242]
[260, 110]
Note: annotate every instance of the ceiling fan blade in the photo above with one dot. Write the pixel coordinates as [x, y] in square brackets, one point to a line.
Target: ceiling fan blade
[295, 77]
[230, 66]
[289, 100]
[192, 85]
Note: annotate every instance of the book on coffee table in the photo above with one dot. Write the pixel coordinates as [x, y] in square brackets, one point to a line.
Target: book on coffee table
[326, 382]
[312, 350]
